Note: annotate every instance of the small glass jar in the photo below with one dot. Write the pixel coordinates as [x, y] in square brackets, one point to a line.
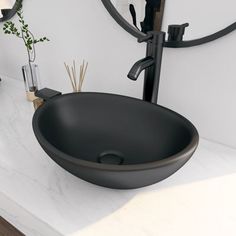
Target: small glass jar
[31, 80]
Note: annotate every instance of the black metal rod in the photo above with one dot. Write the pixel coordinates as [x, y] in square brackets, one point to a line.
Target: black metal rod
[207, 39]
[152, 74]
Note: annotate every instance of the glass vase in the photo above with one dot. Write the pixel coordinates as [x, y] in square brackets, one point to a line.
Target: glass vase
[31, 80]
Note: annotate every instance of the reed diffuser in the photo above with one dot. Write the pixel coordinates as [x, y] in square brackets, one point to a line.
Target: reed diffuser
[73, 75]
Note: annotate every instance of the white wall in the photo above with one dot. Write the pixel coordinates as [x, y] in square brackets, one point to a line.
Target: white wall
[77, 29]
[199, 82]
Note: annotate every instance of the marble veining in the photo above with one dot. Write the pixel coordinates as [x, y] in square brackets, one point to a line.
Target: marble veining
[41, 198]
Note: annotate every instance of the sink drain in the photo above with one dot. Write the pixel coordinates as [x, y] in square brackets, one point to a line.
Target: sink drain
[111, 158]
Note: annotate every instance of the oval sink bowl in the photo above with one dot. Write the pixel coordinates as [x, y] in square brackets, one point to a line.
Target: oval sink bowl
[114, 141]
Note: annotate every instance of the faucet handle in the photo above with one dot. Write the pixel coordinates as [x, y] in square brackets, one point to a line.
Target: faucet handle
[145, 38]
[176, 32]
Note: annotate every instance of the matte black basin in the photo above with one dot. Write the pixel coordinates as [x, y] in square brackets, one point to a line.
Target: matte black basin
[114, 141]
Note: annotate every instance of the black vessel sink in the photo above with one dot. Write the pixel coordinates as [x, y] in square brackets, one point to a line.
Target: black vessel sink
[114, 141]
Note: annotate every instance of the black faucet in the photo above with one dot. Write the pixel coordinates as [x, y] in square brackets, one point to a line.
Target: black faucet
[139, 66]
[151, 64]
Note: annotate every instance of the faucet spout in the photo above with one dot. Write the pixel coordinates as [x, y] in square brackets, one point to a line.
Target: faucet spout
[151, 64]
[139, 66]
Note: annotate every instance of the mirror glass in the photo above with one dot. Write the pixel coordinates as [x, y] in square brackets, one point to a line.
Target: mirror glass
[8, 9]
[204, 17]
[145, 15]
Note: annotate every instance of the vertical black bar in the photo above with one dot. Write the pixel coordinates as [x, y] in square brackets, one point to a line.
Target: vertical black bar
[152, 74]
[159, 17]
[149, 75]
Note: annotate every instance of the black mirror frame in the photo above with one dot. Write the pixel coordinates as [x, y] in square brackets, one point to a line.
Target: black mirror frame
[121, 21]
[9, 13]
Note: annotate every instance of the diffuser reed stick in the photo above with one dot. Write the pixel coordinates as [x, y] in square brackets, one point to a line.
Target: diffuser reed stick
[72, 73]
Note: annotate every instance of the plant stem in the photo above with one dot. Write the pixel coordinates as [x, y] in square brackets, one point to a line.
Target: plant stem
[29, 62]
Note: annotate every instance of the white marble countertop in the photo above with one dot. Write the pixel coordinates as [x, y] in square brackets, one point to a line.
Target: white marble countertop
[40, 198]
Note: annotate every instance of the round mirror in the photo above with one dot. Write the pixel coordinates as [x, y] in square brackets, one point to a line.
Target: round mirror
[8, 9]
[140, 16]
[137, 16]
